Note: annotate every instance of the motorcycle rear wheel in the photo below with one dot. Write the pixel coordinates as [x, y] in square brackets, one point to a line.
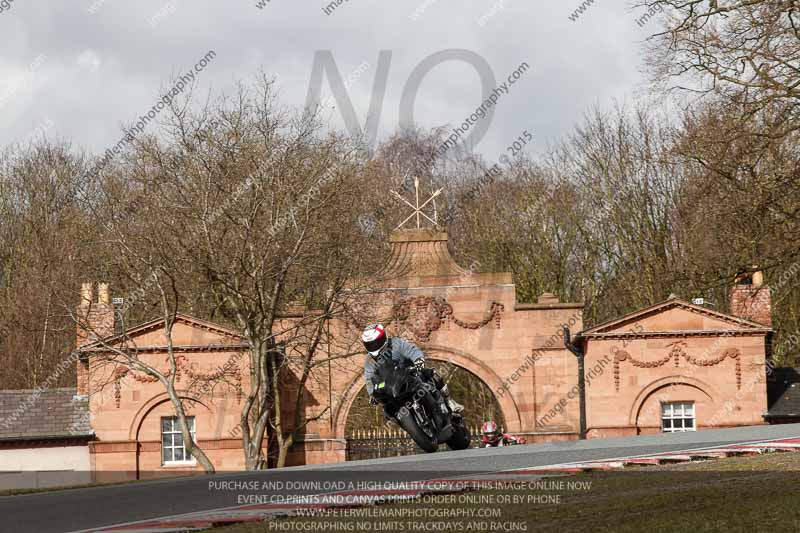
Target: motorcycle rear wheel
[461, 439]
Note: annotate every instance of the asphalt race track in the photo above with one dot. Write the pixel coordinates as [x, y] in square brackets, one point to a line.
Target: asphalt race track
[80, 509]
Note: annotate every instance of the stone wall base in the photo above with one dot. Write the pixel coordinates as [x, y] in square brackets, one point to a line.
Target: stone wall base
[116, 461]
[316, 451]
[536, 437]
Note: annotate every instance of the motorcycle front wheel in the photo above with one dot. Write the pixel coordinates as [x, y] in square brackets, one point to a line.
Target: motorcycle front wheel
[429, 443]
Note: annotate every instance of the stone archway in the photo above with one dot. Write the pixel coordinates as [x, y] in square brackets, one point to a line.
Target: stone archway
[153, 405]
[645, 410]
[479, 401]
[467, 362]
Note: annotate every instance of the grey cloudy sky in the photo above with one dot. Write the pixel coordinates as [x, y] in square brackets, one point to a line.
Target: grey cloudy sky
[104, 62]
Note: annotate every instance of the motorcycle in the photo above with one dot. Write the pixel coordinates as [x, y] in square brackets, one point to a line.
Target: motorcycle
[418, 407]
[494, 441]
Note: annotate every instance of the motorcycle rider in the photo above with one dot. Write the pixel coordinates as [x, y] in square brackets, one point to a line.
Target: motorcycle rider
[492, 436]
[379, 344]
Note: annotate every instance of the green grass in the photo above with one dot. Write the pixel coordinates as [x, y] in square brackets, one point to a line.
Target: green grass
[745, 494]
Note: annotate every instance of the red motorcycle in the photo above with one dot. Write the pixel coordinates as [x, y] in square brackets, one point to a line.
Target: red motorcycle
[492, 437]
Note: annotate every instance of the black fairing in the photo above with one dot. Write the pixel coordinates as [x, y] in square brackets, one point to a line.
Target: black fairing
[399, 382]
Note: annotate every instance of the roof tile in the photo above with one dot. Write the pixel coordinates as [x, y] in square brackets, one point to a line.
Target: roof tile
[27, 414]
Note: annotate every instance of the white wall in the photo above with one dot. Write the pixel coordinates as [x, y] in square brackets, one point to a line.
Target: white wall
[44, 467]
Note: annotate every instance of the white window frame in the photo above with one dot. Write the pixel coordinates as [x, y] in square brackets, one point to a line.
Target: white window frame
[170, 436]
[678, 413]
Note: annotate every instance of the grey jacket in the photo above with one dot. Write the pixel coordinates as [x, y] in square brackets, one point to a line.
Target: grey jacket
[399, 349]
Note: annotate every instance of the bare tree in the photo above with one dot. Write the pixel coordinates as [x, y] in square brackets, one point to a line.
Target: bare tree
[744, 51]
[258, 212]
[44, 235]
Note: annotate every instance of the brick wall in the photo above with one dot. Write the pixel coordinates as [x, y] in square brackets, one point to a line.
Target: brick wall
[752, 302]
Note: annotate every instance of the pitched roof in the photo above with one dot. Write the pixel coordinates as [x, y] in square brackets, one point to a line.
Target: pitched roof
[158, 323]
[670, 303]
[783, 393]
[43, 414]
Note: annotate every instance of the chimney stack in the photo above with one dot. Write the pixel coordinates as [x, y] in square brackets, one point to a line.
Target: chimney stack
[86, 293]
[95, 321]
[750, 297]
[102, 293]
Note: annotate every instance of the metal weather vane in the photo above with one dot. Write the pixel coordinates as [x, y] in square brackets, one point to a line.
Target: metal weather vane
[418, 213]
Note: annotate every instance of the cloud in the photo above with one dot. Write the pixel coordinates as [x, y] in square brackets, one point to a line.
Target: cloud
[89, 59]
[575, 65]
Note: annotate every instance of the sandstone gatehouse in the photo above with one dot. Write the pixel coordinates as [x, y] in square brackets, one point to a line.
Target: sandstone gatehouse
[673, 366]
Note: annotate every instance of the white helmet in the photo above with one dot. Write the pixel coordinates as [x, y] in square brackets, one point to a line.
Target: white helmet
[375, 339]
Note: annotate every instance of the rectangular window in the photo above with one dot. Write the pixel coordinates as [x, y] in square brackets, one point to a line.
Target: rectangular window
[173, 450]
[677, 417]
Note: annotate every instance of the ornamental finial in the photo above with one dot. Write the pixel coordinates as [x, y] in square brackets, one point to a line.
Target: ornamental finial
[418, 212]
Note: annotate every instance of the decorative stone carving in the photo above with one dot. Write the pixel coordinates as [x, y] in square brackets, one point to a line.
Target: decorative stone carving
[183, 366]
[420, 316]
[676, 353]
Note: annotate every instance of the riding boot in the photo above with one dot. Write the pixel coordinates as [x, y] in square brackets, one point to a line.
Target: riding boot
[455, 407]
